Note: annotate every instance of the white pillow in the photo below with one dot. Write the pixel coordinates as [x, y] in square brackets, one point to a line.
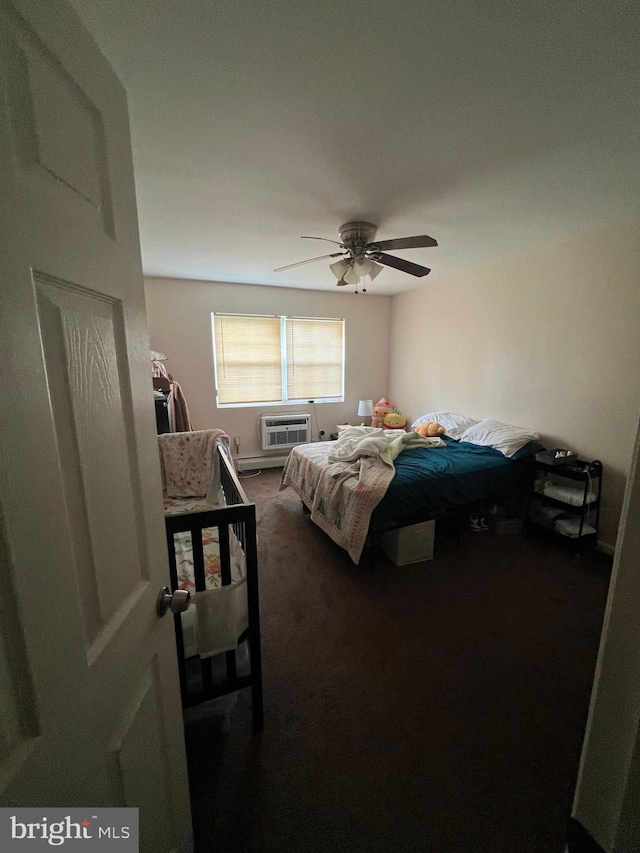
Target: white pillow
[454, 425]
[506, 438]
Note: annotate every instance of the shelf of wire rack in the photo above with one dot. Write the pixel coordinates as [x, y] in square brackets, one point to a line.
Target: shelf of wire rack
[586, 510]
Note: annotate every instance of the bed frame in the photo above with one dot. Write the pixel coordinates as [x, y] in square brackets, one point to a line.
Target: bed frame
[454, 517]
[239, 514]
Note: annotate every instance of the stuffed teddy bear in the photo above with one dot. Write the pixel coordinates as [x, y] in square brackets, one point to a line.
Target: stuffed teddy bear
[395, 420]
[429, 429]
[381, 408]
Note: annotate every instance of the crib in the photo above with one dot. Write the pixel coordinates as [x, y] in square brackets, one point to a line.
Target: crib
[231, 527]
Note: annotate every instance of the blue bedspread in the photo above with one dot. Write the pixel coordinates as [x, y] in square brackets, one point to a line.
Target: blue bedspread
[430, 479]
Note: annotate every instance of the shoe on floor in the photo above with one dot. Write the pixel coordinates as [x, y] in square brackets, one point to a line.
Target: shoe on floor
[478, 523]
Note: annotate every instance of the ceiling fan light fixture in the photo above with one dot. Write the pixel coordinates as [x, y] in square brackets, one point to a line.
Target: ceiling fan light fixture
[351, 277]
[362, 265]
[339, 268]
[375, 270]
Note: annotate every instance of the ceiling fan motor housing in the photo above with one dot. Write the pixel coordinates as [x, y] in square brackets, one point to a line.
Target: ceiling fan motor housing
[356, 235]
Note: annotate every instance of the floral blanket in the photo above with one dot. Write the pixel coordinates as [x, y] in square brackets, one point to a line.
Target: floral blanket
[188, 460]
[340, 495]
[210, 546]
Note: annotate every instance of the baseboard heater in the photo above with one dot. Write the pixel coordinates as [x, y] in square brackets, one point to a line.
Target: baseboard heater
[282, 432]
[257, 463]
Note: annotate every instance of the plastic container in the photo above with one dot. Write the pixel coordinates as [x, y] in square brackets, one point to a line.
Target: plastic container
[506, 526]
[222, 707]
[412, 544]
[571, 527]
[553, 457]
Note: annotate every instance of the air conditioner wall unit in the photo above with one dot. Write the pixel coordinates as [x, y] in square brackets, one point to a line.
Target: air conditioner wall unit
[282, 432]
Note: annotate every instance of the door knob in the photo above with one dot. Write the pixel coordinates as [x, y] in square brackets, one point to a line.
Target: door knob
[176, 602]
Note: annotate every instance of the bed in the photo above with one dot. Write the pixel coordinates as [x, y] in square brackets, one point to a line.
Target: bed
[457, 476]
[428, 481]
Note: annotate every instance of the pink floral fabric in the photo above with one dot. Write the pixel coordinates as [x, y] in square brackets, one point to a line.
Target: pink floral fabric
[187, 460]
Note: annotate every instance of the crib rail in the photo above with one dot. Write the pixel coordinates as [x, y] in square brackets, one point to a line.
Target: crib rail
[239, 514]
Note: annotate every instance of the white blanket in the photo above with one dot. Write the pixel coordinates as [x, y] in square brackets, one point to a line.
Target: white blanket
[355, 442]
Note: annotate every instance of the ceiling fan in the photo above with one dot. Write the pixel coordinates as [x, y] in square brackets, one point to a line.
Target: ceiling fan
[361, 255]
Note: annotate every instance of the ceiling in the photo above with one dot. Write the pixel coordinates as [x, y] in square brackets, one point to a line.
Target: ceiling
[493, 126]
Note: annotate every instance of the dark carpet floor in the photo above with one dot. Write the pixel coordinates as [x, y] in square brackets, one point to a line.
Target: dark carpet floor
[435, 707]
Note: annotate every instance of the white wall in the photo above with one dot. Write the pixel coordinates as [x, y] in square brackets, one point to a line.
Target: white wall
[179, 320]
[549, 340]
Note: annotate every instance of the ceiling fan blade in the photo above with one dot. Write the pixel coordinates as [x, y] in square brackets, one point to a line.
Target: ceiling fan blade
[310, 261]
[401, 264]
[326, 239]
[420, 242]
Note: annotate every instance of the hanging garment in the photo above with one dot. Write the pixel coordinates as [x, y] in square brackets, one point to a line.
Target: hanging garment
[179, 419]
[158, 370]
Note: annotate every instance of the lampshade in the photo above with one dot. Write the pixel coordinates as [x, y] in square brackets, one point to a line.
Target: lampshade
[339, 268]
[353, 272]
[365, 408]
[351, 277]
[375, 270]
[362, 265]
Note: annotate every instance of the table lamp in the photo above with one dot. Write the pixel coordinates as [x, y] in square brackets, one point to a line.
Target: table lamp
[365, 409]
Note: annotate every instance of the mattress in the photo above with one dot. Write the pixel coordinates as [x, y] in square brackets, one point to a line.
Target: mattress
[457, 475]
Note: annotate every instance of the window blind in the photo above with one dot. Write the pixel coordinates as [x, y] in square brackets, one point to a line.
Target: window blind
[248, 359]
[314, 358]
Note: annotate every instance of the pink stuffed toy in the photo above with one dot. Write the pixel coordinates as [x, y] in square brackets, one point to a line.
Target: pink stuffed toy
[380, 410]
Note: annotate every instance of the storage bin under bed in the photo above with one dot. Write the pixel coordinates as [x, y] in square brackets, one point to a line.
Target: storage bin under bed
[410, 544]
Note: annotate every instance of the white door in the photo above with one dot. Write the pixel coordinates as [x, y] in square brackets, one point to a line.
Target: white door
[89, 698]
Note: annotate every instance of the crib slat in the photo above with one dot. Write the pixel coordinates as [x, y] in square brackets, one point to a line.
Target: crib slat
[197, 549]
[232, 667]
[177, 619]
[253, 604]
[225, 554]
[226, 579]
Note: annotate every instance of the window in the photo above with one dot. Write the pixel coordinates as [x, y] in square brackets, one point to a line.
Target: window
[261, 360]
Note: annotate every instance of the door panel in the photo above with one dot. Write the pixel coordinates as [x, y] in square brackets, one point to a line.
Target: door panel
[143, 716]
[56, 127]
[84, 349]
[89, 709]
[19, 724]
